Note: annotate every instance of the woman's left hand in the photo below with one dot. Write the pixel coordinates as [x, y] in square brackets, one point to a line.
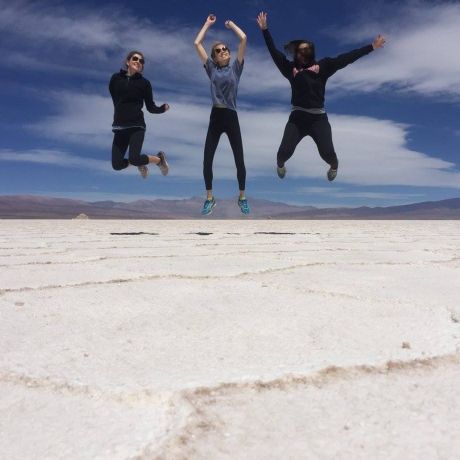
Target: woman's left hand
[228, 24]
[166, 106]
[379, 42]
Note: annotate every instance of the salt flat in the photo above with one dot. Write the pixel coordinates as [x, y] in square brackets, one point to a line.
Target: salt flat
[229, 339]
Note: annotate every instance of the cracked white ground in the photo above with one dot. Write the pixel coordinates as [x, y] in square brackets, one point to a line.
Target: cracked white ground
[229, 339]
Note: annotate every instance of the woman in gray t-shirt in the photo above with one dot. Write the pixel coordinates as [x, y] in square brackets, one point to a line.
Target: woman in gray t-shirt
[224, 119]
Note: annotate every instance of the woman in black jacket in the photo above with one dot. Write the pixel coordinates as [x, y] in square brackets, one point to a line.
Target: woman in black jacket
[308, 79]
[129, 90]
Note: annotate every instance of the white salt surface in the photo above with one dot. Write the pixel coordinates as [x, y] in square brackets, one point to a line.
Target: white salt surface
[322, 340]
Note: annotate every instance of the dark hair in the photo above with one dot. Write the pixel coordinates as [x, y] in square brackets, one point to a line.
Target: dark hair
[131, 54]
[213, 54]
[311, 45]
[293, 46]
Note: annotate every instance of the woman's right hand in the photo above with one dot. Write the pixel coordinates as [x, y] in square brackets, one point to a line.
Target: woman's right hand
[262, 20]
[211, 19]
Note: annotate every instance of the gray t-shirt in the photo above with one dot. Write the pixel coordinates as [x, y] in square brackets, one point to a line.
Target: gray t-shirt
[224, 83]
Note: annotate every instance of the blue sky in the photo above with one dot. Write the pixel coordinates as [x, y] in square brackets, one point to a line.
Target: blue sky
[394, 113]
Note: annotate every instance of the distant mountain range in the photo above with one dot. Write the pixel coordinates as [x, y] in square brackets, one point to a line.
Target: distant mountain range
[40, 207]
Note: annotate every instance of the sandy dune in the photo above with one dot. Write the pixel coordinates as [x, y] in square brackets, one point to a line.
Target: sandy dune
[229, 339]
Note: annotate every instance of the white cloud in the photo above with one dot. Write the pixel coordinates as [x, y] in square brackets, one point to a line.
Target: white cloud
[96, 39]
[94, 43]
[57, 23]
[420, 55]
[371, 151]
[55, 158]
[30, 62]
[83, 119]
[374, 152]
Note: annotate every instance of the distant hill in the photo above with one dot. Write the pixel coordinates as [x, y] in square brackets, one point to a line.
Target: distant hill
[40, 207]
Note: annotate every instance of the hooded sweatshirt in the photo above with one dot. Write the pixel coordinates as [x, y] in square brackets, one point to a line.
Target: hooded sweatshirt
[308, 81]
[128, 95]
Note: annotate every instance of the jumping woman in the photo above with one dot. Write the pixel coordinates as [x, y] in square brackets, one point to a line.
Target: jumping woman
[308, 79]
[129, 90]
[224, 118]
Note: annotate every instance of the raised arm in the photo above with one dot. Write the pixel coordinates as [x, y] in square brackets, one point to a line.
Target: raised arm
[278, 57]
[243, 39]
[341, 61]
[210, 20]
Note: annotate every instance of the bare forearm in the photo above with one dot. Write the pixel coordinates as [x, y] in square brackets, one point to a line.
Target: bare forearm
[199, 42]
[241, 35]
[238, 32]
[201, 34]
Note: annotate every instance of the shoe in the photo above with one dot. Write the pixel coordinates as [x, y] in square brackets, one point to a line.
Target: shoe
[208, 206]
[331, 174]
[144, 170]
[281, 171]
[163, 164]
[244, 206]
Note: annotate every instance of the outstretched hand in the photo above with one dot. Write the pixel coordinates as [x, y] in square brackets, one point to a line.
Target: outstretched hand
[211, 19]
[262, 20]
[166, 107]
[378, 42]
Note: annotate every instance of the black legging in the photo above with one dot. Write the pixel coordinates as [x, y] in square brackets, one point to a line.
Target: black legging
[132, 138]
[223, 121]
[303, 124]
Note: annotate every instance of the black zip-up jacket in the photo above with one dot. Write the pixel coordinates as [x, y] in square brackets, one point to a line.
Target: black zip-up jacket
[308, 83]
[128, 96]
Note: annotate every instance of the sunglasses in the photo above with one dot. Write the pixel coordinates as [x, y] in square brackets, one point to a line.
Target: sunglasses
[135, 59]
[220, 50]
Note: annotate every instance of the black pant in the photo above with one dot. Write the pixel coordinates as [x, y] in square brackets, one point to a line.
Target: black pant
[223, 121]
[132, 138]
[303, 124]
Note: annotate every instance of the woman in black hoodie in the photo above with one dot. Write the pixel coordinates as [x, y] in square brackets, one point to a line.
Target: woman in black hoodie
[308, 79]
[129, 90]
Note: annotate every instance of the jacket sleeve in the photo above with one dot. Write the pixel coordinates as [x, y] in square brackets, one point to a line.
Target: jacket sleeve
[278, 57]
[149, 103]
[112, 87]
[331, 65]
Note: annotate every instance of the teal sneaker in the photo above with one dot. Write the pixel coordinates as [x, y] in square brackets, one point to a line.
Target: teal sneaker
[244, 206]
[208, 206]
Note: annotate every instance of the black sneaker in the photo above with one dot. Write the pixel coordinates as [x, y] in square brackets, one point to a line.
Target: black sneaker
[281, 171]
[331, 174]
